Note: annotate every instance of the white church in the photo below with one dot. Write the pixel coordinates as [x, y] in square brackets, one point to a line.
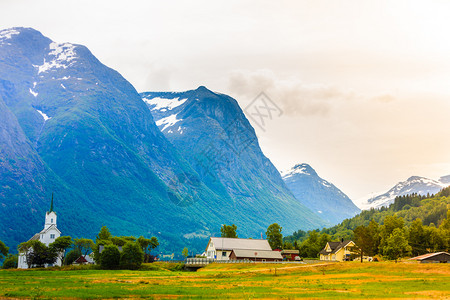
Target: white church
[46, 236]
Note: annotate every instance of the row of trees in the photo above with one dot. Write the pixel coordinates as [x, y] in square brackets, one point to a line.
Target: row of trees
[110, 252]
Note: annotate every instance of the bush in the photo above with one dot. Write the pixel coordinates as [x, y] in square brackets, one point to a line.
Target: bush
[110, 257]
[132, 256]
[10, 262]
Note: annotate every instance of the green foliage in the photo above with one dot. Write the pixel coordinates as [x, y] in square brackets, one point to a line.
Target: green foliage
[3, 250]
[118, 241]
[313, 244]
[104, 234]
[228, 231]
[60, 245]
[371, 229]
[274, 236]
[185, 252]
[396, 245]
[37, 254]
[84, 245]
[110, 257]
[132, 256]
[10, 262]
[72, 256]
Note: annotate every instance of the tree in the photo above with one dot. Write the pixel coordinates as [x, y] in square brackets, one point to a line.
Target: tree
[110, 257]
[37, 254]
[228, 231]
[396, 245]
[147, 246]
[132, 256]
[185, 252]
[25, 249]
[3, 250]
[11, 262]
[104, 234]
[72, 256]
[60, 245]
[416, 238]
[364, 240]
[118, 241]
[84, 245]
[274, 236]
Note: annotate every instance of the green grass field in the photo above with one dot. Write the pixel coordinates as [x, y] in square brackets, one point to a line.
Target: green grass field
[350, 280]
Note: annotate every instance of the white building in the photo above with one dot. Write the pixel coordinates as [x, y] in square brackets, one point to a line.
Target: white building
[46, 236]
[219, 248]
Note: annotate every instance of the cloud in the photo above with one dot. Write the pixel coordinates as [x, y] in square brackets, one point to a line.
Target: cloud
[294, 96]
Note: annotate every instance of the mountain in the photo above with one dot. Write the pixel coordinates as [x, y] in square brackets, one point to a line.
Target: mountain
[319, 195]
[214, 136]
[76, 128]
[413, 185]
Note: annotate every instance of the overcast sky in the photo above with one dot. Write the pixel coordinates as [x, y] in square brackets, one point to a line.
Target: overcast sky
[364, 85]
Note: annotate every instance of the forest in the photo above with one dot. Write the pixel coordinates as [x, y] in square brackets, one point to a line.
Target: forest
[410, 226]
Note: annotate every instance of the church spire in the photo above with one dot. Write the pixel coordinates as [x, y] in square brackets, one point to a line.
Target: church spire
[51, 204]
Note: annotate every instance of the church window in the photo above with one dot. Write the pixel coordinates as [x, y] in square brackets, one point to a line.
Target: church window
[52, 236]
[51, 221]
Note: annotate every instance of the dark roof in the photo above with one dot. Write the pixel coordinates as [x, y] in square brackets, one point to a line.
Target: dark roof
[335, 246]
[81, 260]
[429, 255]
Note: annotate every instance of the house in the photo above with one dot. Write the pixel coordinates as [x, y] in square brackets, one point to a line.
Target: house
[337, 251]
[255, 255]
[84, 260]
[290, 254]
[220, 248]
[46, 236]
[438, 257]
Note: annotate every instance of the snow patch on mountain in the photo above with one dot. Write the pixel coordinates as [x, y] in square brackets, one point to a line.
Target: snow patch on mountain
[164, 104]
[33, 93]
[167, 122]
[63, 57]
[6, 34]
[297, 169]
[43, 115]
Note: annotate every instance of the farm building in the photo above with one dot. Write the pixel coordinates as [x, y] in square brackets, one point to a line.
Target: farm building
[337, 251]
[438, 257]
[290, 254]
[256, 255]
[219, 248]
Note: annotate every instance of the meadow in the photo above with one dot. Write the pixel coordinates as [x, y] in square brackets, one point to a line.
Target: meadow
[349, 280]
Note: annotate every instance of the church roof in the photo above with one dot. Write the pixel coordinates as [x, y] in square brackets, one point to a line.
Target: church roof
[35, 237]
[53, 226]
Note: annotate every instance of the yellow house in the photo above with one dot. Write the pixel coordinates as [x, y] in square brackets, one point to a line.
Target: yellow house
[337, 251]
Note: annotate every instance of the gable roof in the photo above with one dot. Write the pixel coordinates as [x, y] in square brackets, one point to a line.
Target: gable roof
[335, 247]
[237, 243]
[53, 226]
[257, 253]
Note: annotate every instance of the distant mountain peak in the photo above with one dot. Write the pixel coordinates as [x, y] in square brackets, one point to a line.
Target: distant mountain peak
[319, 195]
[302, 168]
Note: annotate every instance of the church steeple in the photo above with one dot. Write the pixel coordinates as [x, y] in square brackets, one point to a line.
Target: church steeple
[51, 204]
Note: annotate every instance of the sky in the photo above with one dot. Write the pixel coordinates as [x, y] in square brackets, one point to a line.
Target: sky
[363, 86]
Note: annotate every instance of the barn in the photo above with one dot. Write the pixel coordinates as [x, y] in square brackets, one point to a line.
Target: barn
[438, 257]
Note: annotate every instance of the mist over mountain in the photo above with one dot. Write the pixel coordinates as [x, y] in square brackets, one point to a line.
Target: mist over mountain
[76, 128]
[319, 195]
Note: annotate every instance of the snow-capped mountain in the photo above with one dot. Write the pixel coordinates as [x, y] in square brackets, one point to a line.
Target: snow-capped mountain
[319, 195]
[413, 185]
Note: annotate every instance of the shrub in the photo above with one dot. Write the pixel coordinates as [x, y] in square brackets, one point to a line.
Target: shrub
[10, 262]
[110, 257]
[132, 256]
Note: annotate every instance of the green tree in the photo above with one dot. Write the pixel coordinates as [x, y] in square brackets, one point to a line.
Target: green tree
[364, 240]
[132, 256]
[11, 262]
[147, 246]
[118, 241]
[72, 256]
[228, 231]
[37, 254]
[185, 252]
[26, 249]
[3, 250]
[84, 245]
[104, 234]
[60, 245]
[417, 238]
[274, 236]
[110, 257]
[396, 245]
